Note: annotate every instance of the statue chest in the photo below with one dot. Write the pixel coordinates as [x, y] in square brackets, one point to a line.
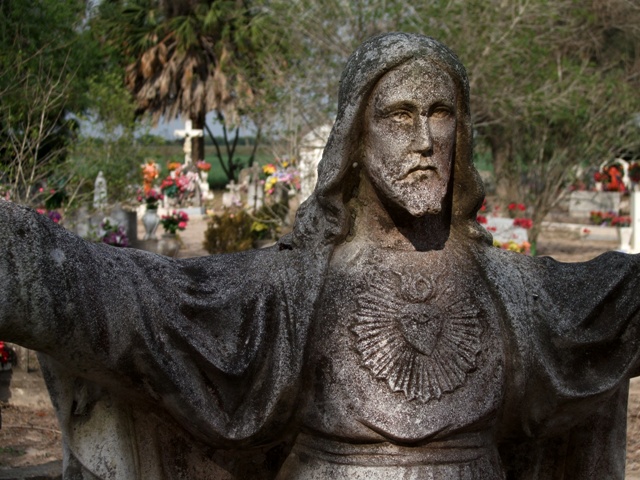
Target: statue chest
[406, 346]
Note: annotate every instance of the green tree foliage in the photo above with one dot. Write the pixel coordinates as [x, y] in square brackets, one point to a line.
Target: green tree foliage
[553, 88]
[553, 83]
[192, 57]
[114, 144]
[44, 55]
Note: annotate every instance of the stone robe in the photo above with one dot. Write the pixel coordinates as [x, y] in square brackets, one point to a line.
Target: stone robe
[162, 364]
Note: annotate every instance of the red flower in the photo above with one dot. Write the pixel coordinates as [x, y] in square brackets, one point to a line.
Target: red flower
[481, 219]
[512, 206]
[523, 222]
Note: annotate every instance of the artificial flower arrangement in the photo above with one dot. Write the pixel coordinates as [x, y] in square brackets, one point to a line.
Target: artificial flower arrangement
[114, 234]
[282, 173]
[597, 217]
[8, 356]
[605, 219]
[150, 172]
[174, 221]
[203, 166]
[610, 178]
[179, 185]
[524, 247]
[151, 198]
[621, 221]
[53, 215]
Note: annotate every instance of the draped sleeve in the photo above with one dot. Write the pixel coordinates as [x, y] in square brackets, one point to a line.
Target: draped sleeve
[215, 342]
[572, 336]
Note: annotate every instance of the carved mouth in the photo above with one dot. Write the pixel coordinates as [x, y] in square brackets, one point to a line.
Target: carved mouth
[422, 171]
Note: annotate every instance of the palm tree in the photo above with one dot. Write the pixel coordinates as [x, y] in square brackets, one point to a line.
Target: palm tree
[191, 57]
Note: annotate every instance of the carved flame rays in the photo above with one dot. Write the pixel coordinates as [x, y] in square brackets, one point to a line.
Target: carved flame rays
[423, 349]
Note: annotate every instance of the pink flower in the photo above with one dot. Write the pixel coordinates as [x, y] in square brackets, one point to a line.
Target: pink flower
[182, 225]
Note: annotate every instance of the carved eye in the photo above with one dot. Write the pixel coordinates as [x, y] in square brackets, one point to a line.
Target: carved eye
[401, 116]
[441, 112]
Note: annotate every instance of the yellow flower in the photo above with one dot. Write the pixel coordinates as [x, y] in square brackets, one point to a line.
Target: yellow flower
[514, 247]
[269, 169]
[269, 183]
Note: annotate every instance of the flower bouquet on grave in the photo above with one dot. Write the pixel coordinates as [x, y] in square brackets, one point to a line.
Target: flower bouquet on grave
[174, 221]
[114, 234]
[150, 172]
[173, 166]
[53, 215]
[611, 179]
[621, 221]
[282, 175]
[179, 186]
[203, 166]
[597, 217]
[512, 246]
[151, 198]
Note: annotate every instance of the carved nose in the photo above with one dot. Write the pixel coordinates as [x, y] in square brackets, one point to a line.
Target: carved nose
[423, 140]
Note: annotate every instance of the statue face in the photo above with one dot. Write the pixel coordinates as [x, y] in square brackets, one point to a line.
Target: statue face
[410, 132]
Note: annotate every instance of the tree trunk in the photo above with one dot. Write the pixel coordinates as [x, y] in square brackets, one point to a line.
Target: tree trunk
[506, 177]
[197, 143]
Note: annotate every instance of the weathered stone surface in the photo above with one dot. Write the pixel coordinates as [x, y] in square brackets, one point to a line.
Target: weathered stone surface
[384, 338]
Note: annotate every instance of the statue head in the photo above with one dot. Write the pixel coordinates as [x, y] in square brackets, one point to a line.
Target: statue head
[433, 76]
[409, 135]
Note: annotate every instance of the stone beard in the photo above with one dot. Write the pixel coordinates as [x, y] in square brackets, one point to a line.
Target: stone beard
[384, 338]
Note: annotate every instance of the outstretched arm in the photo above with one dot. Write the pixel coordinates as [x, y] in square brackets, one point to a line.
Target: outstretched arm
[211, 340]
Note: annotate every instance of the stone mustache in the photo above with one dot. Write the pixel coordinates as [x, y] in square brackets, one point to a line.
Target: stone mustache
[384, 338]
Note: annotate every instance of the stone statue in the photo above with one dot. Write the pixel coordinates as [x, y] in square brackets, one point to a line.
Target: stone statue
[384, 338]
[100, 192]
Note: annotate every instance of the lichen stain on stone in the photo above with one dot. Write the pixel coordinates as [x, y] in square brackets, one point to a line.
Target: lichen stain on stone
[58, 256]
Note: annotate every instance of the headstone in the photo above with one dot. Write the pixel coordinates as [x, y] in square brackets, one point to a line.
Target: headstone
[232, 198]
[252, 187]
[582, 203]
[311, 148]
[503, 230]
[128, 220]
[100, 192]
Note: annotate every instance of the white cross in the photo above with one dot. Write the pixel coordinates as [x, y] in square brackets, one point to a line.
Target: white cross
[188, 133]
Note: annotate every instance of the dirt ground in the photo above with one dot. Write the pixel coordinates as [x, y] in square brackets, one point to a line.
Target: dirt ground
[30, 436]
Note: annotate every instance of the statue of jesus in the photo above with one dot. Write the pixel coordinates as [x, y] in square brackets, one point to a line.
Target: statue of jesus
[384, 338]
